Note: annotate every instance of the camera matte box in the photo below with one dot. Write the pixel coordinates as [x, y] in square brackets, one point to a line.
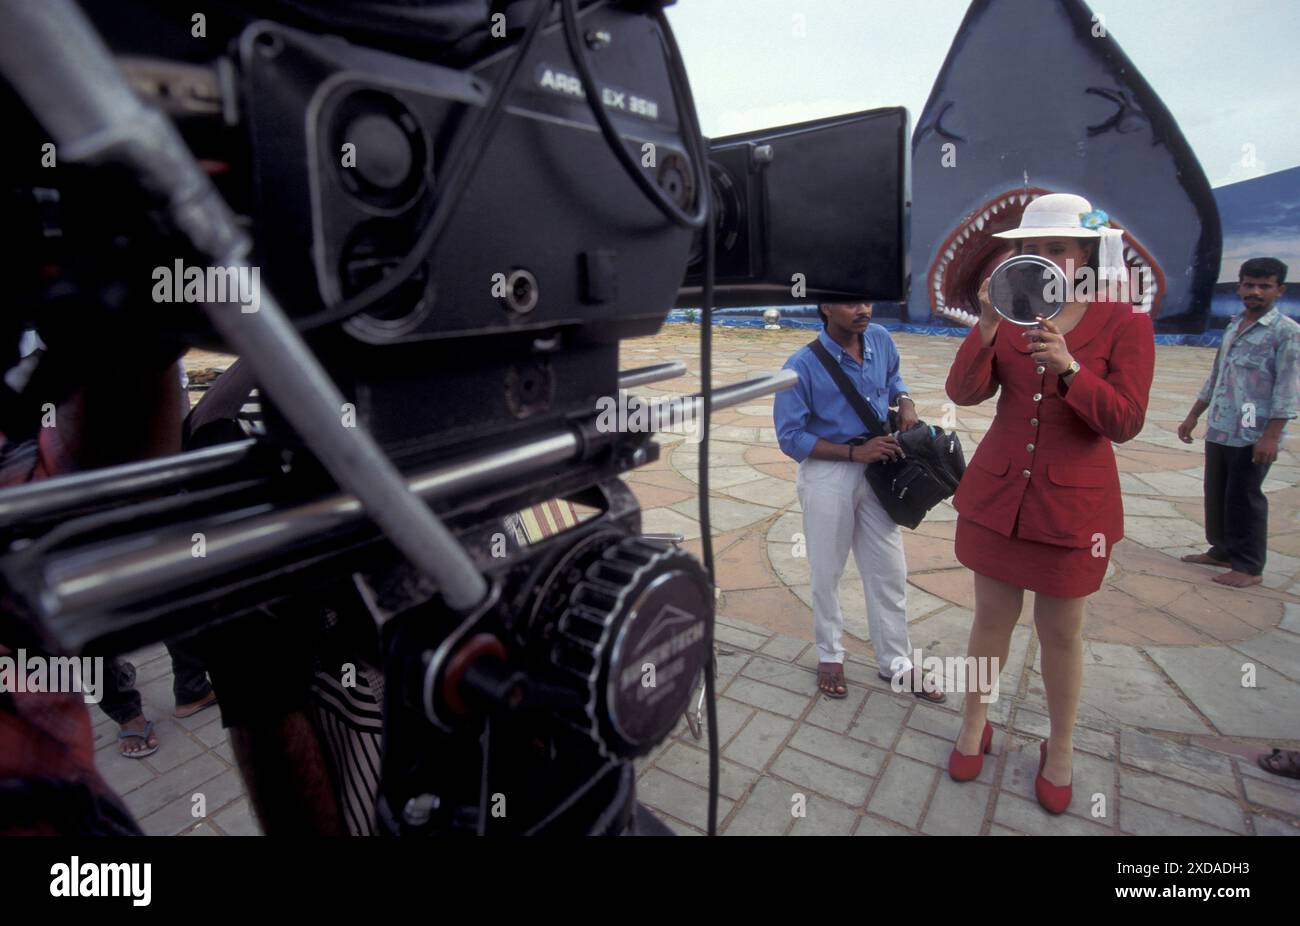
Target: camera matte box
[811, 212]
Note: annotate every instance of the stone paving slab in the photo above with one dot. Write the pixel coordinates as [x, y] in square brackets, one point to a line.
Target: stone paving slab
[1177, 797]
[1122, 688]
[1212, 678]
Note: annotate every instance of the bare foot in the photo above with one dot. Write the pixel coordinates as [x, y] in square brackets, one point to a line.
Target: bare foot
[1204, 559]
[830, 679]
[137, 747]
[1237, 579]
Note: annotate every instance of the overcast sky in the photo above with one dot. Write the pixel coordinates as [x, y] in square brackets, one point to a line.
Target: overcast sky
[1228, 71]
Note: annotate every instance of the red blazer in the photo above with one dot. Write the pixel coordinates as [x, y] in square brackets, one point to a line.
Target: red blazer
[1047, 458]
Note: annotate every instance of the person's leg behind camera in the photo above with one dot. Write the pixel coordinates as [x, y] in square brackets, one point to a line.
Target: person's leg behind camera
[121, 701]
[190, 685]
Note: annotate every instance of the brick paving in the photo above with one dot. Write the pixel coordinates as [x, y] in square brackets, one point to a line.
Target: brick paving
[1168, 731]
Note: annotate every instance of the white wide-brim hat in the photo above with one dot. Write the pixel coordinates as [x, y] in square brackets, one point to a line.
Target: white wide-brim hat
[1054, 215]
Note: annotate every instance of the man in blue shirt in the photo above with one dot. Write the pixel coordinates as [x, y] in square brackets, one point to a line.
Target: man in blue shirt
[816, 426]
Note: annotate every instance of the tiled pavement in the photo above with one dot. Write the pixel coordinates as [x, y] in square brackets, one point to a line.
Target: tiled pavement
[1168, 728]
[796, 763]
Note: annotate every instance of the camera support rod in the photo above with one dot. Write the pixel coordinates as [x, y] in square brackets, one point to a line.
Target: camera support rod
[654, 373]
[52, 498]
[103, 580]
[78, 490]
[53, 57]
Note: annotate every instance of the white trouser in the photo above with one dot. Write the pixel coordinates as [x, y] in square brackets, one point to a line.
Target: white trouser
[840, 511]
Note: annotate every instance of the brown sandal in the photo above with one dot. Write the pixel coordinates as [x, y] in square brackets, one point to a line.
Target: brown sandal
[1278, 762]
[831, 681]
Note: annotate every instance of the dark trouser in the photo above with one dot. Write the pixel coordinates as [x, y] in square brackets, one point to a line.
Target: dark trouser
[1236, 511]
[122, 702]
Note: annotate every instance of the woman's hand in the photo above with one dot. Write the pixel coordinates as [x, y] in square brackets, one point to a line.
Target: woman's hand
[1047, 346]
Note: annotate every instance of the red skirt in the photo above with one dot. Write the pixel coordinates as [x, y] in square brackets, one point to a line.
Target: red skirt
[1062, 572]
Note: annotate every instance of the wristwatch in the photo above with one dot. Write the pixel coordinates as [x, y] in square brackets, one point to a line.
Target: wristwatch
[1074, 368]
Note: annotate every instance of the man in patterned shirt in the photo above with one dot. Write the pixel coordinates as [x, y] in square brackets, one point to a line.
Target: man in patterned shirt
[1251, 393]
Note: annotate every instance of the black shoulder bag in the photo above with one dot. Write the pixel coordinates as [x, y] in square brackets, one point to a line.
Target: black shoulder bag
[929, 470]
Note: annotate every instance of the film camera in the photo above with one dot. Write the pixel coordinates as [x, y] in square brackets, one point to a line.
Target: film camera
[452, 213]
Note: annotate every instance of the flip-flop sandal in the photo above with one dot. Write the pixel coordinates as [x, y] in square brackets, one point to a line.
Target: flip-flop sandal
[144, 735]
[1280, 762]
[190, 710]
[835, 680]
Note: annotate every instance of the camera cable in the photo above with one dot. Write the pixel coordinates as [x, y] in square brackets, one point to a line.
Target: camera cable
[682, 102]
[696, 137]
[702, 218]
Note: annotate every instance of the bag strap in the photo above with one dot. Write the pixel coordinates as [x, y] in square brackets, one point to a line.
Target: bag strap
[860, 404]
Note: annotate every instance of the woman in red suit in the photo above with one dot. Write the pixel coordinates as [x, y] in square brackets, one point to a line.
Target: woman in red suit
[1039, 506]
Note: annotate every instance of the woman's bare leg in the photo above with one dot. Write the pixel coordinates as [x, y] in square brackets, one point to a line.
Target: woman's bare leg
[1060, 636]
[997, 608]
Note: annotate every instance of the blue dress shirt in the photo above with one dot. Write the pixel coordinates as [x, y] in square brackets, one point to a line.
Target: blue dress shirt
[815, 407]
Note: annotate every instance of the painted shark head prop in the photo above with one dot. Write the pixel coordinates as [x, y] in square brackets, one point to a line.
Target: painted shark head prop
[1036, 97]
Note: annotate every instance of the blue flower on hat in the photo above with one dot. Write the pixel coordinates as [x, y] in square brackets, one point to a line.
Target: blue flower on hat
[1094, 219]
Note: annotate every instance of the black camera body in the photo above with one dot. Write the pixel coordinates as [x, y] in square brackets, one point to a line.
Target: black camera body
[551, 258]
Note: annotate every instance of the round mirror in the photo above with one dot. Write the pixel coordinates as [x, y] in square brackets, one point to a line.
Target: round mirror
[1026, 286]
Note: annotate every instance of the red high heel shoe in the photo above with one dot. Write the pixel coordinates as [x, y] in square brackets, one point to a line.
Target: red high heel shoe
[1054, 798]
[967, 768]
